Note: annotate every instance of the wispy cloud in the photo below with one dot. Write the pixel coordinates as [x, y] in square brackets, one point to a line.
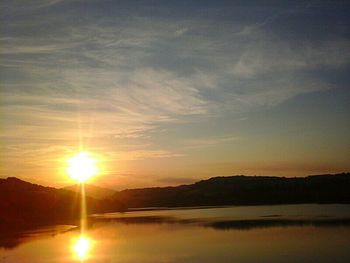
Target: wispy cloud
[120, 78]
[117, 75]
[210, 141]
[271, 55]
[146, 154]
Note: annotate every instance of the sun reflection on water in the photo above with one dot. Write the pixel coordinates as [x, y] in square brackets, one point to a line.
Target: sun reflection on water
[81, 167]
[82, 247]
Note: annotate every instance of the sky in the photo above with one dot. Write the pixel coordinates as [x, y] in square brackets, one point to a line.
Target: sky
[171, 92]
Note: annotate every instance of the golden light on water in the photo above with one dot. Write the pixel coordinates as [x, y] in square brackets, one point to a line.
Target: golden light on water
[82, 166]
[81, 247]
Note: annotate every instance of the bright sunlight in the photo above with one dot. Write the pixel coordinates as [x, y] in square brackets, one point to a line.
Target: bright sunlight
[81, 247]
[82, 167]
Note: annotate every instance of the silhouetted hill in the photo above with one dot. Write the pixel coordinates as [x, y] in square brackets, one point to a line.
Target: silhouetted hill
[92, 191]
[243, 190]
[24, 205]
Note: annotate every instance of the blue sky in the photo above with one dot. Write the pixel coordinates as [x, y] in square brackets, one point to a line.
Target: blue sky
[169, 92]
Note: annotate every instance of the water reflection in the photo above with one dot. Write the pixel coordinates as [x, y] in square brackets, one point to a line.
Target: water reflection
[10, 240]
[193, 236]
[227, 223]
[82, 247]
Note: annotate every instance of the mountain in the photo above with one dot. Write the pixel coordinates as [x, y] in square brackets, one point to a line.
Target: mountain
[24, 205]
[92, 191]
[243, 190]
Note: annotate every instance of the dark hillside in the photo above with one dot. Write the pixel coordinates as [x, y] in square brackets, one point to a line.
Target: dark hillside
[24, 205]
[244, 190]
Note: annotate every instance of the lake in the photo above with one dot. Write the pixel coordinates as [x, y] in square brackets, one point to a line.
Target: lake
[280, 233]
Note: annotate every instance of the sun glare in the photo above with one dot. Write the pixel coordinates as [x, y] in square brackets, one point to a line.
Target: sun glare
[82, 167]
[81, 247]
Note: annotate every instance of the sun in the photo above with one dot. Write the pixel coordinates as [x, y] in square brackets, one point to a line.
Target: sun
[82, 166]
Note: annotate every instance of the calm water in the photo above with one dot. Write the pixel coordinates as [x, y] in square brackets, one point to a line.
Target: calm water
[293, 233]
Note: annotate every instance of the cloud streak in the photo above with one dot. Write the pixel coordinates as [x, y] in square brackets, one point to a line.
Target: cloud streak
[115, 74]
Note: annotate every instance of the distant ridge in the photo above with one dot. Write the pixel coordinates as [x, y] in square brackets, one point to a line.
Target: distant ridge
[24, 205]
[92, 191]
[243, 190]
